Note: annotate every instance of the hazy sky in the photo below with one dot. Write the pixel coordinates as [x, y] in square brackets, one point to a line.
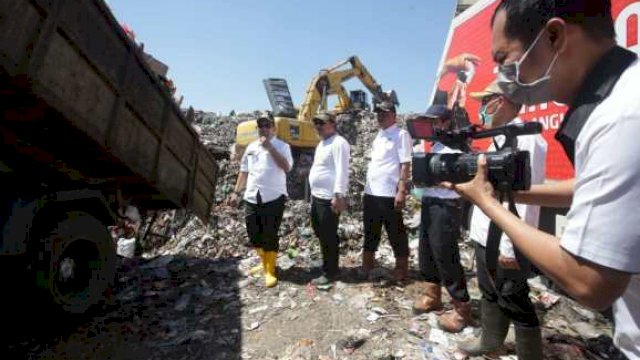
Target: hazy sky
[219, 51]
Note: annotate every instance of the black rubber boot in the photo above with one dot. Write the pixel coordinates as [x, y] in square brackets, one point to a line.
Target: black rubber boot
[529, 343]
[495, 326]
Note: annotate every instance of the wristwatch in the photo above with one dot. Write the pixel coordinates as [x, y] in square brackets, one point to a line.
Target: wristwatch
[339, 195]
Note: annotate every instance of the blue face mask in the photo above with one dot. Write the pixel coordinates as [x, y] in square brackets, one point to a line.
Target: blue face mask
[417, 192]
[485, 117]
[533, 93]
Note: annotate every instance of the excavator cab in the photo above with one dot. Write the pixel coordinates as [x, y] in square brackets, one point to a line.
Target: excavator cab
[359, 100]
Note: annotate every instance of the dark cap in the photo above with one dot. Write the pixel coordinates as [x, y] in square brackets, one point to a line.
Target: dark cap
[384, 106]
[437, 111]
[324, 117]
[265, 118]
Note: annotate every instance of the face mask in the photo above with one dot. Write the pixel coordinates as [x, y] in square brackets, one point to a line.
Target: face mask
[533, 93]
[486, 118]
[417, 192]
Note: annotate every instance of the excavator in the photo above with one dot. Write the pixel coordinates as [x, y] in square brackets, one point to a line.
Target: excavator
[295, 126]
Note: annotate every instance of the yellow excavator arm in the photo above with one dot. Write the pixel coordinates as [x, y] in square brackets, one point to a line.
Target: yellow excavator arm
[299, 131]
[329, 82]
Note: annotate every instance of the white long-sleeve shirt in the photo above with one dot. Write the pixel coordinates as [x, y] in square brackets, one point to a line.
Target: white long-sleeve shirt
[330, 170]
[537, 147]
[602, 223]
[264, 174]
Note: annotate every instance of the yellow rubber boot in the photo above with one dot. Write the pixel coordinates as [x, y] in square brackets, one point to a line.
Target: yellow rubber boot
[270, 279]
[260, 266]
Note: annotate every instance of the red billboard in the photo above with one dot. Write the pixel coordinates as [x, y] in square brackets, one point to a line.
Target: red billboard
[470, 33]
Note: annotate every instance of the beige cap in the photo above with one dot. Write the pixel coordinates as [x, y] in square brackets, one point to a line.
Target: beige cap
[492, 89]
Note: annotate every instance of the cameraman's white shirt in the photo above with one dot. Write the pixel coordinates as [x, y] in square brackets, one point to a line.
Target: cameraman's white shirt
[391, 147]
[265, 175]
[603, 223]
[537, 148]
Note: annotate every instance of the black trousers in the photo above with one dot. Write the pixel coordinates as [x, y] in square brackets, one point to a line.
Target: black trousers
[378, 211]
[438, 251]
[325, 225]
[510, 291]
[263, 221]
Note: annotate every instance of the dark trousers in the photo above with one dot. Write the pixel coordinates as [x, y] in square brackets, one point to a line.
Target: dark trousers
[510, 291]
[378, 211]
[325, 225]
[263, 221]
[438, 252]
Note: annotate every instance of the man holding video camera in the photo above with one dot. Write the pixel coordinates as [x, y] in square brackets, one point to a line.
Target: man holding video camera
[438, 253]
[507, 298]
[566, 51]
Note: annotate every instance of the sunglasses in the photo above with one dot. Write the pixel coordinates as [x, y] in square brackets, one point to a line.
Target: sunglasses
[318, 122]
[490, 98]
[264, 125]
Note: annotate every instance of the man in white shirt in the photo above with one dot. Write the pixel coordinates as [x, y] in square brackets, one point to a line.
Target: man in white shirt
[386, 189]
[438, 251]
[329, 182]
[577, 62]
[506, 299]
[263, 171]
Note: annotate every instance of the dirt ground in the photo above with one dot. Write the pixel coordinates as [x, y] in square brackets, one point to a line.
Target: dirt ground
[180, 307]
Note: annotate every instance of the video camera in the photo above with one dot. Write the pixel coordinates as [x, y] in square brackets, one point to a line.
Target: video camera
[508, 168]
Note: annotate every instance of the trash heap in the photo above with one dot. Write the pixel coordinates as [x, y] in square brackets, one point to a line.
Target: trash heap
[225, 235]
[191, 294]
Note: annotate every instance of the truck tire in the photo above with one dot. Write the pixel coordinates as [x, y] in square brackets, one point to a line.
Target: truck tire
[75, 263]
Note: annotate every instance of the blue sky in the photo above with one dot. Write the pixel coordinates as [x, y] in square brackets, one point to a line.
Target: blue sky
[219, 51]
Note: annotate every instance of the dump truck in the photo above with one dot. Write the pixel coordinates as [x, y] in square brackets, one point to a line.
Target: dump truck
[470, 34]
[87, 128]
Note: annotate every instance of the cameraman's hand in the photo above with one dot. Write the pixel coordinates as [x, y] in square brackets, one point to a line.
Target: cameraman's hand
[479, 190]
[508, 263]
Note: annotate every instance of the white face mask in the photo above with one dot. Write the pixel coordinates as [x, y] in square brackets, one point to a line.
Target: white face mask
[535, 92]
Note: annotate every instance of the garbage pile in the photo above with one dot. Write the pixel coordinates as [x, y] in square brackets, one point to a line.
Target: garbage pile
[176, 232]
[192, 294]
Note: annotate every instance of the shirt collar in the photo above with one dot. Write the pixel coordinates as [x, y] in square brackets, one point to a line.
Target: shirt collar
[605, 73]
[597, 86]
[329, 138]
[515, 120]
[390, 130]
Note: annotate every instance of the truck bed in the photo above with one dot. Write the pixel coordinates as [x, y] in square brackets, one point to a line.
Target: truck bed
[81, 105]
